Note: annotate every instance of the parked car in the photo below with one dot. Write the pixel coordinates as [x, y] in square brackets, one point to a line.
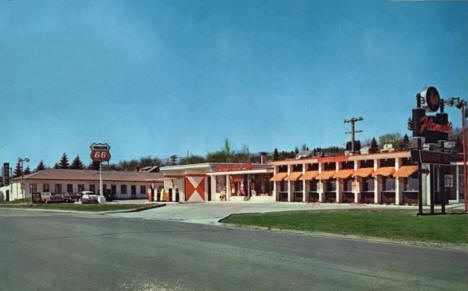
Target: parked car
[56, 197]
[75, 196]
[46, 196]
[67, 197]
[88, 197]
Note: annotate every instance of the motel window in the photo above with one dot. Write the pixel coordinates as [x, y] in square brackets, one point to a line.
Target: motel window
[366, 164]
[133, 189]
[92, 188]
[33, 188]
[80, 187]
[220, 184]
[348, 185]
[283, 169]
[297, 168]
[388, 184]
[411, 183]
[330, 185]
[123, 189]
[260, 184]
[313, 186]
[58, 188]
[313, 167]
[368, 184]
[298, 186]
[387, 163]
[143, 189]
[347, 165]
[45, 188]
[283, 186]
[329, 167]
[70, 188]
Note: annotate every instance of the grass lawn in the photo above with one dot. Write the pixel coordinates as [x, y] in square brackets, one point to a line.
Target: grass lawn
[72, 206]
[392, 224]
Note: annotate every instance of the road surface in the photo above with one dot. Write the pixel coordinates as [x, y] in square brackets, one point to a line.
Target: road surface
[56, 251]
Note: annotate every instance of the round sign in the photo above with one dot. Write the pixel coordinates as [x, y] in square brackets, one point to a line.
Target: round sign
[100, 155]
[432, 97]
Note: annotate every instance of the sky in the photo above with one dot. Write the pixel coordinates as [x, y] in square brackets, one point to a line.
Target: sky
[169, 77]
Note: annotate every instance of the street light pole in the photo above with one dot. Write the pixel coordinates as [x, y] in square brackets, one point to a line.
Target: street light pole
[461, 104]
[21, 160]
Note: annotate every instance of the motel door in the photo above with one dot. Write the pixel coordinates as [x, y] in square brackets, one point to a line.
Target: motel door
[194, 189]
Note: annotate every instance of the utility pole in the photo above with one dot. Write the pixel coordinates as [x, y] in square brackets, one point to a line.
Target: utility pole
[353, 131]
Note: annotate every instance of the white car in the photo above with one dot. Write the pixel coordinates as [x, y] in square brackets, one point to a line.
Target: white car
[46, 196]
[88, 197]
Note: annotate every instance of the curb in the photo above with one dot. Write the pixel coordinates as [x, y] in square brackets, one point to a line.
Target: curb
[138, 209]
[427, 244]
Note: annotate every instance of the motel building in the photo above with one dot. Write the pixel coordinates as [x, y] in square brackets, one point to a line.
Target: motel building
[381, 178]
[120, 184]
[219, 182]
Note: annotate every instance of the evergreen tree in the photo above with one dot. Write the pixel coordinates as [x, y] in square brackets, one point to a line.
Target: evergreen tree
[93, 166]
[77, 164]
[56, 166]
[63, 164]
[275, 155]
[40, 166]
[18, 170]
[406, 142]
[27, 171]
[373, 146]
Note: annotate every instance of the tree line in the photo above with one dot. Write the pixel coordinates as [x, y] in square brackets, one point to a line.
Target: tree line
[226, 154]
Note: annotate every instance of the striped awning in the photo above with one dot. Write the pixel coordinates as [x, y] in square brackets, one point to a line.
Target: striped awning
[344, 174]
[405, 171]
[279, 177]
[363, 172]
[384, 171]
[309, 175]
[294, 176]
[325, 175]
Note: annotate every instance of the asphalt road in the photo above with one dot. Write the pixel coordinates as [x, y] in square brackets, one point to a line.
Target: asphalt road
[50, 251]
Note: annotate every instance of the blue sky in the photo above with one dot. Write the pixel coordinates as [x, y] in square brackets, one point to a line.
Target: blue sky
[166, 77]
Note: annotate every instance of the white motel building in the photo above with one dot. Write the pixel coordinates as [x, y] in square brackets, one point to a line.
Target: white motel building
[120, 184]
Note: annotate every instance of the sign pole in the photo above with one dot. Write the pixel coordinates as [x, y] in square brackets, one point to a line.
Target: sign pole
[101, 193]
[420, 202]
[464, 158]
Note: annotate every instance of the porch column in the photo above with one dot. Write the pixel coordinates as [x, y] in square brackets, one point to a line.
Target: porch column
[304, 190]
[289, 184]
[228, 189]
[377, 183]
[339, 185]
[398, 183]
[320, 186]
[356, 179]
[275, 188]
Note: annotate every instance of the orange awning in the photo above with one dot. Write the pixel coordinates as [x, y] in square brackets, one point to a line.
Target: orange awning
[344, 174]
[279, 177]
[384, 171]
[405, 171]
[309, 175]
[294, 176]
[325, 175]
[363, 172]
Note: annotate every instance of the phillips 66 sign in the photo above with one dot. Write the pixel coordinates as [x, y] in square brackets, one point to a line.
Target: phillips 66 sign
[100, 152]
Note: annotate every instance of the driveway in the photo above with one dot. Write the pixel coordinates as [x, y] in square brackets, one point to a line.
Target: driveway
[212, 212]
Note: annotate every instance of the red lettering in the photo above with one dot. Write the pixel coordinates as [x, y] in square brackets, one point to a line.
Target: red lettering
[427, 123]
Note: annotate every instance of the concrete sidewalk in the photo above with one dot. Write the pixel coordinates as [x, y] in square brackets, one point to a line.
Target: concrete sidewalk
[212, 212]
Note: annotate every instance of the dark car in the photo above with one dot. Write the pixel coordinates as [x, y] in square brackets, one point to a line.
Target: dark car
[56, 197]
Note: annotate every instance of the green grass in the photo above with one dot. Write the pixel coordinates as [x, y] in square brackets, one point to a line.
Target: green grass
[75, 207]
[390, 224]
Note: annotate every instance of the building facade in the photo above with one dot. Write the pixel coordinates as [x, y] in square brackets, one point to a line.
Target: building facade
[120, 184]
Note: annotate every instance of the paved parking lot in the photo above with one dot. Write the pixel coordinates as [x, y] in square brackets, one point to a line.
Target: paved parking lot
[212, 212]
